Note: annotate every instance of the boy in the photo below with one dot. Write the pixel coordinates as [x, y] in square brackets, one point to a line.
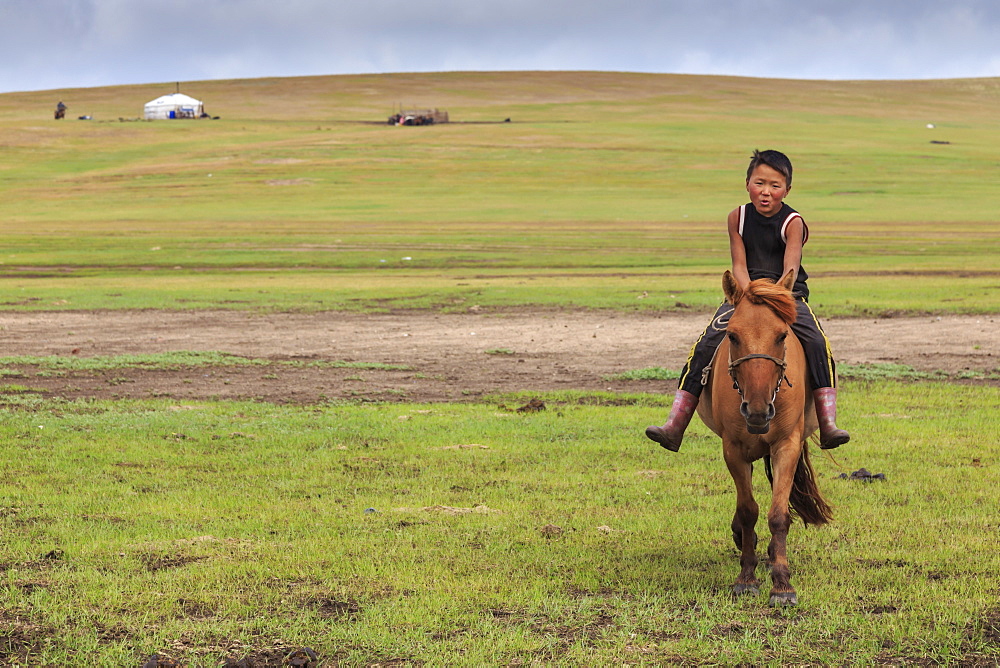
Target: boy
[765, 240]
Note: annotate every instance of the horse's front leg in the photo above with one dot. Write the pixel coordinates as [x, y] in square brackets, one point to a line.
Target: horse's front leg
[744, 521]
[779, 520]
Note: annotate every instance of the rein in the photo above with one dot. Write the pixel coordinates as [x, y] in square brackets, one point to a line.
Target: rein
[779, 362]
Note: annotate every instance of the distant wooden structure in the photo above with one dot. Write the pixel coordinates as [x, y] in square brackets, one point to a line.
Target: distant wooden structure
[418, 117]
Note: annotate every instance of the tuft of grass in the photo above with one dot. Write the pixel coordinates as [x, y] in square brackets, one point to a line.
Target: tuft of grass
[341, 364]
[168, 360]
[979, 375]
[16, 389]
[174, 360]
[649, 373]
[511, 400]
[886, 371]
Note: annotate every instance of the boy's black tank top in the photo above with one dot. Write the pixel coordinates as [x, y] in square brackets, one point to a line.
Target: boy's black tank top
[764, 241]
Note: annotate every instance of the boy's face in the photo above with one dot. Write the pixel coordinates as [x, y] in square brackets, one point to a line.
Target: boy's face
[767, 188]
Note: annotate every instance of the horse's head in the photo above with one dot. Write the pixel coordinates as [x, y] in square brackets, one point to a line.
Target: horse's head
[757, 331]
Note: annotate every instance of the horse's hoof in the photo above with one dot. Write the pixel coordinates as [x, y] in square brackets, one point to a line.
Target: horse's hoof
[783, 599]
[745, 589]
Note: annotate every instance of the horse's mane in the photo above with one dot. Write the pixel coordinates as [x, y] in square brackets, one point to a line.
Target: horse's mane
[768, 293]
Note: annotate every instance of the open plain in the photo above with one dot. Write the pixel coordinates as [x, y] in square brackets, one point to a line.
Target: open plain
[263, 375]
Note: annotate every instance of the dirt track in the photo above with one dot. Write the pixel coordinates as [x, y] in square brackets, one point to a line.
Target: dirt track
[449, 356]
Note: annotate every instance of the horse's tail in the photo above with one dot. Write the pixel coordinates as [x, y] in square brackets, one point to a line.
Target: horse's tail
[805, 499]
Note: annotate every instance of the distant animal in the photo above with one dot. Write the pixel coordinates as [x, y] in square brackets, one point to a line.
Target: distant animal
[756, 400]
[60, 111]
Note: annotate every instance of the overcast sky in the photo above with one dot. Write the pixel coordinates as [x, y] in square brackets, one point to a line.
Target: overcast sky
[82, 43]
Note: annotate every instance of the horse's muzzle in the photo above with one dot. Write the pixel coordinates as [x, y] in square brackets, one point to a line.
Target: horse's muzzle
[757, 422]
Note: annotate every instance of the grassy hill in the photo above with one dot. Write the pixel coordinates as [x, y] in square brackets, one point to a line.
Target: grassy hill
[616, 171]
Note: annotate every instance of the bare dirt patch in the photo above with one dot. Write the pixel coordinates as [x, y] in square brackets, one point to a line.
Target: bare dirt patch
[448, 357]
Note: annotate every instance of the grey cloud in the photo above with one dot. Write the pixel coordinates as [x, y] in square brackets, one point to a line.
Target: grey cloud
[55, 43]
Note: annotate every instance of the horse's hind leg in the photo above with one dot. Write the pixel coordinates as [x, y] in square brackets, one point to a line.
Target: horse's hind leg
[744, 520]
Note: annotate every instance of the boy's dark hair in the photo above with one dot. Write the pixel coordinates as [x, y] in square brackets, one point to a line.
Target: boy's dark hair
[776, 160]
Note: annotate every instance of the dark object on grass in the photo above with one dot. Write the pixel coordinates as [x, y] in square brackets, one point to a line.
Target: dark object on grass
[245, 662]
[551, 530]
[532, 406]
[303, 657]
[864, 475]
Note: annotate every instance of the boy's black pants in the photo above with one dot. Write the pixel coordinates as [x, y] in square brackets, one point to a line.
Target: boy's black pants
[819, 358]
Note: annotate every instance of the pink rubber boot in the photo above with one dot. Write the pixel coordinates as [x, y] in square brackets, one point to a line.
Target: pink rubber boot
[671, 434]
[830, 436]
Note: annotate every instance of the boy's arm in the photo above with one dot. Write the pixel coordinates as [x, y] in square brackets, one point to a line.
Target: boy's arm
[794, 236]
[738, 251]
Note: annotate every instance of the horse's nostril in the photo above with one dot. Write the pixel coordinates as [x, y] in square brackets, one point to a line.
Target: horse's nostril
[745, 409]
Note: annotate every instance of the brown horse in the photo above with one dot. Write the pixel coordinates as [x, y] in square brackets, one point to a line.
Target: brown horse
[761, 409]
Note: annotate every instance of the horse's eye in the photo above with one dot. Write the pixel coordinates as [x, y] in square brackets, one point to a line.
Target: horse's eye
[733, 339]
[781, 339]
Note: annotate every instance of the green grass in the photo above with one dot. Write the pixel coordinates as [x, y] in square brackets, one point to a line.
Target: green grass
[604, 187]
[171, 360]
[421, 534]
[857, 372]
[175, 360]
[883, 371]
[650, 373]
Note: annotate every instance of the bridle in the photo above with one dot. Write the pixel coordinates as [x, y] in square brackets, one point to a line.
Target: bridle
[779, 362]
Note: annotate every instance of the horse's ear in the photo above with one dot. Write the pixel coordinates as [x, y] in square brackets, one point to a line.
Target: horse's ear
[788, 280]
[731, 288]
